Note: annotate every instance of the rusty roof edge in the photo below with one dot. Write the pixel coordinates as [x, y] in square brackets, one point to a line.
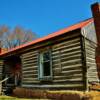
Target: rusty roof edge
[58, 33]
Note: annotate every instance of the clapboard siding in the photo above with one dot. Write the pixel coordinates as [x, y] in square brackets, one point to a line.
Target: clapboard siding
[90, 48]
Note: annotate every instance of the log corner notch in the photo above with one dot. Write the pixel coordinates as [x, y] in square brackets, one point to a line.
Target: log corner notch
[85, 80]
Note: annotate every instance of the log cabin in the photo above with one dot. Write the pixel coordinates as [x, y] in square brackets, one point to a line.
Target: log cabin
[66, 59]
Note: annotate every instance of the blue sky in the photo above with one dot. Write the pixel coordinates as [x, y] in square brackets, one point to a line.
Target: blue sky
[44, 16]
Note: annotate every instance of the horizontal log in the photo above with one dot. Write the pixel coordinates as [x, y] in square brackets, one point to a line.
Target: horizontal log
[71, 68]
[67, 80]
[71, 62]
[71, 53]
[66, 54]
[90, 46]
[30, 61]
[1, 67]
[71, 41]
[91, 63]
[30, 58]
[69, 77]
[72, 72]
[90, 50]
[59, 56]
[30, 68]
[30, 76]
[32, 52]
[64, 59]
[94, 73]
[29, 83]
[67, 63]
[90, 59]
[67, 46]
[93, 79]
[30, 64]
[1, 64]
[93, 56]
[30, 71]
[90, 43]
[67, 66]
[73, 49]
[92, 69]
[55, 53]
[55, 85]
[93, 51]
[92, 76]
[29, 79]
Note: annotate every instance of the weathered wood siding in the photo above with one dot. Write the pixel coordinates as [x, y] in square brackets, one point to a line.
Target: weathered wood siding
[1, 68]
[30, 68]
[89, 32]
[90, 49]
[66, 65]
[91, 61]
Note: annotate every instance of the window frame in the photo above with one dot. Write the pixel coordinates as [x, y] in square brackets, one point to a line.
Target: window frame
[40, 66]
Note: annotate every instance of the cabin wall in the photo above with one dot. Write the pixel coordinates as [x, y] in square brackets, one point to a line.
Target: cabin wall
[66, 64]
[92, 73]
[1, 68]
[30, 68]
[90, 45]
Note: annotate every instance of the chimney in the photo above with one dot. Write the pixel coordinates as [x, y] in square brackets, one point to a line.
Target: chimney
[0, 47]
[96, 16]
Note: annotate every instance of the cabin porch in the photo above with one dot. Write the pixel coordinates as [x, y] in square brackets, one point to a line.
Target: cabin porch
[11, 73]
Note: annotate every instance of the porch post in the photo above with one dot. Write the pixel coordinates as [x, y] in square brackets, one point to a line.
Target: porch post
[1, 72]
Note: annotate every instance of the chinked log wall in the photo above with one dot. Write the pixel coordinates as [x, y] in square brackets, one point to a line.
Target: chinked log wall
[1, 66]
[66, 64]
[90, 44]
[90, 48]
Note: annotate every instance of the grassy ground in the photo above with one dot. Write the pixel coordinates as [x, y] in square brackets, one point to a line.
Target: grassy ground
[14, 98]
[11, 98]
[95, 95]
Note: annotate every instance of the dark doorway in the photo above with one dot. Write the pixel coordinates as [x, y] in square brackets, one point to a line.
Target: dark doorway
[12, 71]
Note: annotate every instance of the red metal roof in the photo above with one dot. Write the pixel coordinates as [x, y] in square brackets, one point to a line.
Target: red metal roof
[60, 32]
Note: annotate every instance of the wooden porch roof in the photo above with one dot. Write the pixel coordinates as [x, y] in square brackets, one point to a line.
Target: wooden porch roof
[50, 36]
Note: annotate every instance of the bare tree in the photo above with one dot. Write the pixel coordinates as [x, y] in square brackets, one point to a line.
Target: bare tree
[12, 38]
